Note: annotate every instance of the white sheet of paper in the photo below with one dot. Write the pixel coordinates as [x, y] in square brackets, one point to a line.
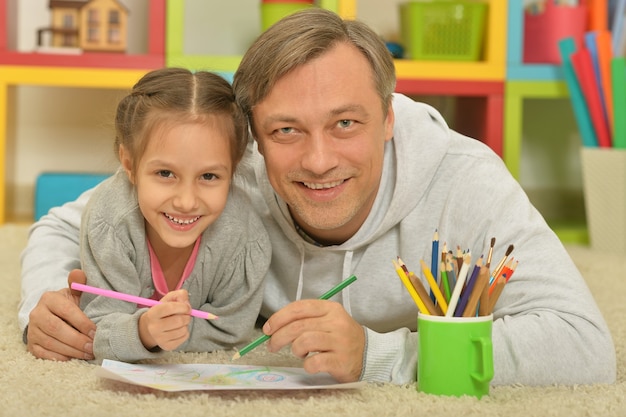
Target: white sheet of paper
[191, 377]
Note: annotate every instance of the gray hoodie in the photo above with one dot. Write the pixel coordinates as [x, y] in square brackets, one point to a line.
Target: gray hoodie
[436, 179]
[226, 279]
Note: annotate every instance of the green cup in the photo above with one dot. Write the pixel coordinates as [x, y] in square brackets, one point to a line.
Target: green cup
[455, 355]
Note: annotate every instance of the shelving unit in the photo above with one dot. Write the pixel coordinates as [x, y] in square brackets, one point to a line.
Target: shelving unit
[85, 70]
[526, 82]
[476, 86]
[224, 64]
[489, 94]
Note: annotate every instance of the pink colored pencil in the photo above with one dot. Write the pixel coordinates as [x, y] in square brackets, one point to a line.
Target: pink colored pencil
[133, 299]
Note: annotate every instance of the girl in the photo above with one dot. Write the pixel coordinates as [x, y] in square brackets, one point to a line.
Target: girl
[169, 226]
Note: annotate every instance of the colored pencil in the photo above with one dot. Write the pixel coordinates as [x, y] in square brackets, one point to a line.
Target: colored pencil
[605, 53]
[441, 301]
[420, 289]
[133, 299]
[498, 268]
[434, 260]
[583, 67]
[618, 78]
[433, 308]
[460, 282]
[483, 302]
[404, 277]
[445, 281]
[567, 47]
[471, 282]
[493, 297]
[327, 295]
[450, 272]
[459, 258]
[481, 282]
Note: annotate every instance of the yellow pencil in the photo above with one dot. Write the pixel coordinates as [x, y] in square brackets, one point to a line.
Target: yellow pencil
[422, 293]
[407, 283]
[434, 287]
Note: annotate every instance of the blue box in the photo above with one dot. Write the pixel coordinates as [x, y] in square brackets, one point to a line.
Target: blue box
[58, 188]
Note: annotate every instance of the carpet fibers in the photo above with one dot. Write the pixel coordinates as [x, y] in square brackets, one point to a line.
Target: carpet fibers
[32, 387]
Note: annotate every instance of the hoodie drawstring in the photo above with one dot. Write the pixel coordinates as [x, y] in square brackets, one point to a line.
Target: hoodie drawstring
[301, 274]
[346, 272]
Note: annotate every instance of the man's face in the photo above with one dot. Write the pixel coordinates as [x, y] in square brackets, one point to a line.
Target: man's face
[322, 132]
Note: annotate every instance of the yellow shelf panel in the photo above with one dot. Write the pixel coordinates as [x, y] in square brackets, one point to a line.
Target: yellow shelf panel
[70, 77]
[453, 70]
[54, 77]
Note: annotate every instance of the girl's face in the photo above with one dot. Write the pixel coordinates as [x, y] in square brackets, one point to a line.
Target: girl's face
[182, 180]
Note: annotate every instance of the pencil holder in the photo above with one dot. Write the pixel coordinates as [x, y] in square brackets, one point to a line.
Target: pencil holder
[443, 30]
[455, 355]
[604, 186]
[543, 29]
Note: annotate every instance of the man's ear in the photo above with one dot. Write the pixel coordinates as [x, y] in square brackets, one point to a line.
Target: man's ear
[127, 163]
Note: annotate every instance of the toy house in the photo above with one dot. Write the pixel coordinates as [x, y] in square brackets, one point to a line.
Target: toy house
[87, 25]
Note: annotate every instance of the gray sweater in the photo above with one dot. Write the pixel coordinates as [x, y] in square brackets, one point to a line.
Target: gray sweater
[227, 279]
[547, 327]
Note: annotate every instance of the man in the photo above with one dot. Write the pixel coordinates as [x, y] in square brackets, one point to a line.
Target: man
[347, 176]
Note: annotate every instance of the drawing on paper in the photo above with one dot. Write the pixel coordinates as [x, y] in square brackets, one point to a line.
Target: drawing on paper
[183, 377]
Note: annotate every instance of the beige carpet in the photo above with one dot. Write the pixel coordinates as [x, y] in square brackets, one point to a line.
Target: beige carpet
[31, 387]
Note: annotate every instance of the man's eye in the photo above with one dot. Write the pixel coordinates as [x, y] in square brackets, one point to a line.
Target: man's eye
[285, 130]
[345, 123]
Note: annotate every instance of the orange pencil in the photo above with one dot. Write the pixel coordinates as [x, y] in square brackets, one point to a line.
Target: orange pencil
[505, 272]
[598, 15]
[605, 54]
[493, 297]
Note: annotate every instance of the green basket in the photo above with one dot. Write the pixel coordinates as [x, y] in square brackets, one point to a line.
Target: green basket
[443, 30]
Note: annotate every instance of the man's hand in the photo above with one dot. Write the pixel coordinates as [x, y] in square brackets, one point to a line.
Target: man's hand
[57, 328]
[166, 325]
[323, 333]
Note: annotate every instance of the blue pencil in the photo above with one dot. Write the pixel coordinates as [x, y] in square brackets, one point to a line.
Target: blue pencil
[434, 261]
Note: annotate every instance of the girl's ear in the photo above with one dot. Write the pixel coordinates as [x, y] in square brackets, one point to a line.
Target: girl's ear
[127, 163]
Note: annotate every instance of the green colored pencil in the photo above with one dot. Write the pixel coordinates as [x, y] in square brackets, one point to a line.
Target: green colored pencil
[263, 338]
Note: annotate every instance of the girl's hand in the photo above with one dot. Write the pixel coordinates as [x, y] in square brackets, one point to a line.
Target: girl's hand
[166, 325]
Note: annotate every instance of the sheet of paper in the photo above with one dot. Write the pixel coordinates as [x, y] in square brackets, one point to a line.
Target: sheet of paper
[190, 377]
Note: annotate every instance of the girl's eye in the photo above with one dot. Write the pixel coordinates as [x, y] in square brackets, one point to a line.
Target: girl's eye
[165, 173]
[209, 176]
